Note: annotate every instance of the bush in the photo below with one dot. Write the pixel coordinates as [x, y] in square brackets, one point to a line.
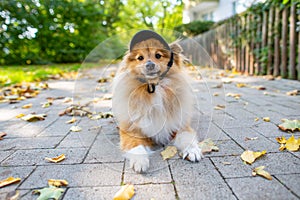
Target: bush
[194, 28]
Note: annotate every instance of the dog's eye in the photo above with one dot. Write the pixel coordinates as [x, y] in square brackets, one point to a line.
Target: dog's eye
[157, 56]
[140, 58]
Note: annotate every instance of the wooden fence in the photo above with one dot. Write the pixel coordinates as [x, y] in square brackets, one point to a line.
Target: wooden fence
[257, 42]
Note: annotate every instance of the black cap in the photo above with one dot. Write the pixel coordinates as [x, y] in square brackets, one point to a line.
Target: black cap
[145, 35]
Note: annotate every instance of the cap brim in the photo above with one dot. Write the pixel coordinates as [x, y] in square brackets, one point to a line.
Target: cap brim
[145, 35]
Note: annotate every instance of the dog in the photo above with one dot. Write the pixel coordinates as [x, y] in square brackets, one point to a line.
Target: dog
[152, 100]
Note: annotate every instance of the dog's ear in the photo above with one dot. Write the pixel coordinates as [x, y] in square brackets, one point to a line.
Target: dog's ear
[175, 47]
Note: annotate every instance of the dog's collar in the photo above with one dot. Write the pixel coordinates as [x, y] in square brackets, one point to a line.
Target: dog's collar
[151, 86]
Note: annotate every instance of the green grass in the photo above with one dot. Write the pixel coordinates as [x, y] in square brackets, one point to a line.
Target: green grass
[32, 73]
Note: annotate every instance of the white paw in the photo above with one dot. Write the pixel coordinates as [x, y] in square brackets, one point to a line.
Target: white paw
[192, 153]
[139, 163]
[138, 158]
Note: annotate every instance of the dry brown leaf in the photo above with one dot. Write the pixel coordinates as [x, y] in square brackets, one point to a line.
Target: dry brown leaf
[219, 107]
[56, 159]
[76, 128]
[215, 94]
[2, 134]
[9, 181]
[207, 146]
[293, 93]
[250, 156]
[266, 119]
[220, 85]
[261, 172]
[290, 125]
[71, 120]
[34, 117]
[20, 115]
[67, 100]
[57, 182]
[169, 152]
[125, 193]
[26, 106]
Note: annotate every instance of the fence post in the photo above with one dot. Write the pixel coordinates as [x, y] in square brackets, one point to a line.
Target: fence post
[258, 44]
[284, 38]
[276, 42]
[270, 42]
[264, 40]
[292, 64]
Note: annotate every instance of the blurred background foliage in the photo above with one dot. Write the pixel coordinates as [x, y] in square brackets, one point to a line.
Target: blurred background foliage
[65, 31]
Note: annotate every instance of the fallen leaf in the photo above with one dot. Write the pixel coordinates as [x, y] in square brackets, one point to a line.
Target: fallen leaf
[258, 87]
[261, 172]
[235, 95]
[219, 107]
[46, 104]
[56, 159]
[75, 110]
[9, 181]
[249, 156]
[293, 93]
[256, 119]
[34, 117]
[220, 85]
[240, 85]
[281, 140]
[94, 128]
[26, 106]
[49, 193]
[253, 138]
[101, 115]
[71, 120]
[269, 77]
[57, 182]
[102, 80]
[125, 193]
[215, 94]
[13, 195]
[290, 125]
[226, 163]
[67, 100]
[75, 128]
[266, 119]
[282, 147]
[2, 134]
[207, 146]
[292, 144]
[169, 152]
[20, 115]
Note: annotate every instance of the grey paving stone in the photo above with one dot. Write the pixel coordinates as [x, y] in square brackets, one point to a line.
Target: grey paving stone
[260, 144]
[105, 149]
[16, 172]
[5, 154]
[232, 166]
[291, 181]
[199, 181]
[226, 148]
[30, 143]
[82, 175]
[259, 188]
[154, 191]
[212, 132]
[23, 194]
[37, 156]
[58, 128]
[279, 163]
[158, 172]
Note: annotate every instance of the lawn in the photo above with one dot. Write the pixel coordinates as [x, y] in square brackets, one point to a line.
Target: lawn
[32, 73]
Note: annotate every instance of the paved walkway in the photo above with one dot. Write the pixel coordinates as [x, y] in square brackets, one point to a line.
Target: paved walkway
[95, 168]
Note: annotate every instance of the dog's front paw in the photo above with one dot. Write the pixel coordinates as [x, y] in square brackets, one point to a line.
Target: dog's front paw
[139, 163]
[192, 153]
[138, 158]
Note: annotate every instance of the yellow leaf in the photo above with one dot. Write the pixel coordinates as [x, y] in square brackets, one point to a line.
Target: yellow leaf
[20, 115]
[219, 107]
[266, 119]
[75, 128]
[57, 182]
[249, 156]
[56, 159]
[34, 117]
[215, 94]
[71, 120]
[292, 144]
[169, 152]
[207, 146]
[282, 147]
[235, 95]
[8, 181]
[261, 172]
[281, 140]
[26, 106]
[256, 119]
[125, 193]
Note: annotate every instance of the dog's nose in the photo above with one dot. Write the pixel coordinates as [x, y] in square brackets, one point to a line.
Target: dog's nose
[150, 65]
